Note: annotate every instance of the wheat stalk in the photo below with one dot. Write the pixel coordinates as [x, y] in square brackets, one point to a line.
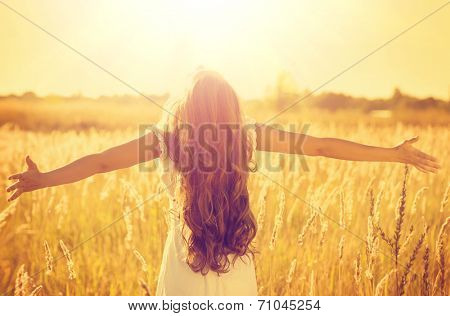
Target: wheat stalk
[21, 281]
[342, 222]
[36, 290]
[70, 264]
[383, 285]
[440, 254]
[128, 226]
[48, 258]
[407, 239]
[262, 200]
[358, 271]
[444, 201]
[425, 289]
[301, 236]
[312, 288]
[417, 197]
[145, 287]
[291, 271]
[323, 231]
[141, 260]
[278, 220]
[409, 264]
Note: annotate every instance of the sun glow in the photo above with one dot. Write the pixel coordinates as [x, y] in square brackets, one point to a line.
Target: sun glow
[155, 45]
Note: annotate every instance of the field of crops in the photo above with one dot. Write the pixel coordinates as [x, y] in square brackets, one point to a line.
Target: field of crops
[337, 228]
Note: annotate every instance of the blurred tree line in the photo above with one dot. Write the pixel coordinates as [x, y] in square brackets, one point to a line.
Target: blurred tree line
[285, 93]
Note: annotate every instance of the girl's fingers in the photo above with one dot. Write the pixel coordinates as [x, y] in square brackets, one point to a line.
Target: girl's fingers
[413, 139]
[14, 186]
[30, 163]
[426, 167]
[420, 168]
[16, 176]
[428, 163]
[15, 195]
[426, 156]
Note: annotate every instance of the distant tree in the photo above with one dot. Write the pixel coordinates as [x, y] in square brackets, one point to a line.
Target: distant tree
[397, 94]
[29, 96]
[423, 104]
[335, 101]
[285, 91]
[76, 97]
[398, 99]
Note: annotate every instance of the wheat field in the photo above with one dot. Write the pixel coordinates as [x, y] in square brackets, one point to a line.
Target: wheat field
[338, 228]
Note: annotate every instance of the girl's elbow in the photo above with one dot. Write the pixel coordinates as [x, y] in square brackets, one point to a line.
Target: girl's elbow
[99, 165]
[319, 148]
[102, 168]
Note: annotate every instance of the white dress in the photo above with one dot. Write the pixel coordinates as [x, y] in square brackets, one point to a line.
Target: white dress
[176, 277]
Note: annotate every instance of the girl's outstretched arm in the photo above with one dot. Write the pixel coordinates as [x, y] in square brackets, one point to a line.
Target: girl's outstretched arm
[275, 140]
[126, 155]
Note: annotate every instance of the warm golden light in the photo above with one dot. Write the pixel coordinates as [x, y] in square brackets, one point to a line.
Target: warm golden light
[154, 45]
[355, 201]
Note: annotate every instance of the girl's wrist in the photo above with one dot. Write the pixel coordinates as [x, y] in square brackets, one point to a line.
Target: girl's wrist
[394, 155]
[45, 180]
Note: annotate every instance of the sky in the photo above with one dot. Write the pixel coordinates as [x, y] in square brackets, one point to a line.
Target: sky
[154, 45]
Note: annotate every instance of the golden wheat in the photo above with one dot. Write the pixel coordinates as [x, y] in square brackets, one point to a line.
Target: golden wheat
[70, 264]
[307, 249]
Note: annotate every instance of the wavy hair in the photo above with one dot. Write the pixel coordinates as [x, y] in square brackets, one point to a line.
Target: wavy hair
[208, 145]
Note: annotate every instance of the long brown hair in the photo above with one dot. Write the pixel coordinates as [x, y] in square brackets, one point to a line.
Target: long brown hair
[208, 145]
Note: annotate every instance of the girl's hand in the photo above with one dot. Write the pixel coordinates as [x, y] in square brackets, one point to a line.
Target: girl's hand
[30, 180]
[406, 153]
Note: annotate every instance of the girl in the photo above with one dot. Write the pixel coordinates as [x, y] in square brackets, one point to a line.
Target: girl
[206, 150]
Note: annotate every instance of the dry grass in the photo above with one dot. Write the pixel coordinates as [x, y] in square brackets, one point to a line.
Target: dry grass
[356, 231]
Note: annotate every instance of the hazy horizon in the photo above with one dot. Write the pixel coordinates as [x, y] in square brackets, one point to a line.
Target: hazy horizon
[162, 94]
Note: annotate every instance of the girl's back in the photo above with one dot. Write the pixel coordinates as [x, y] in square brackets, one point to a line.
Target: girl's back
[205, 152]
